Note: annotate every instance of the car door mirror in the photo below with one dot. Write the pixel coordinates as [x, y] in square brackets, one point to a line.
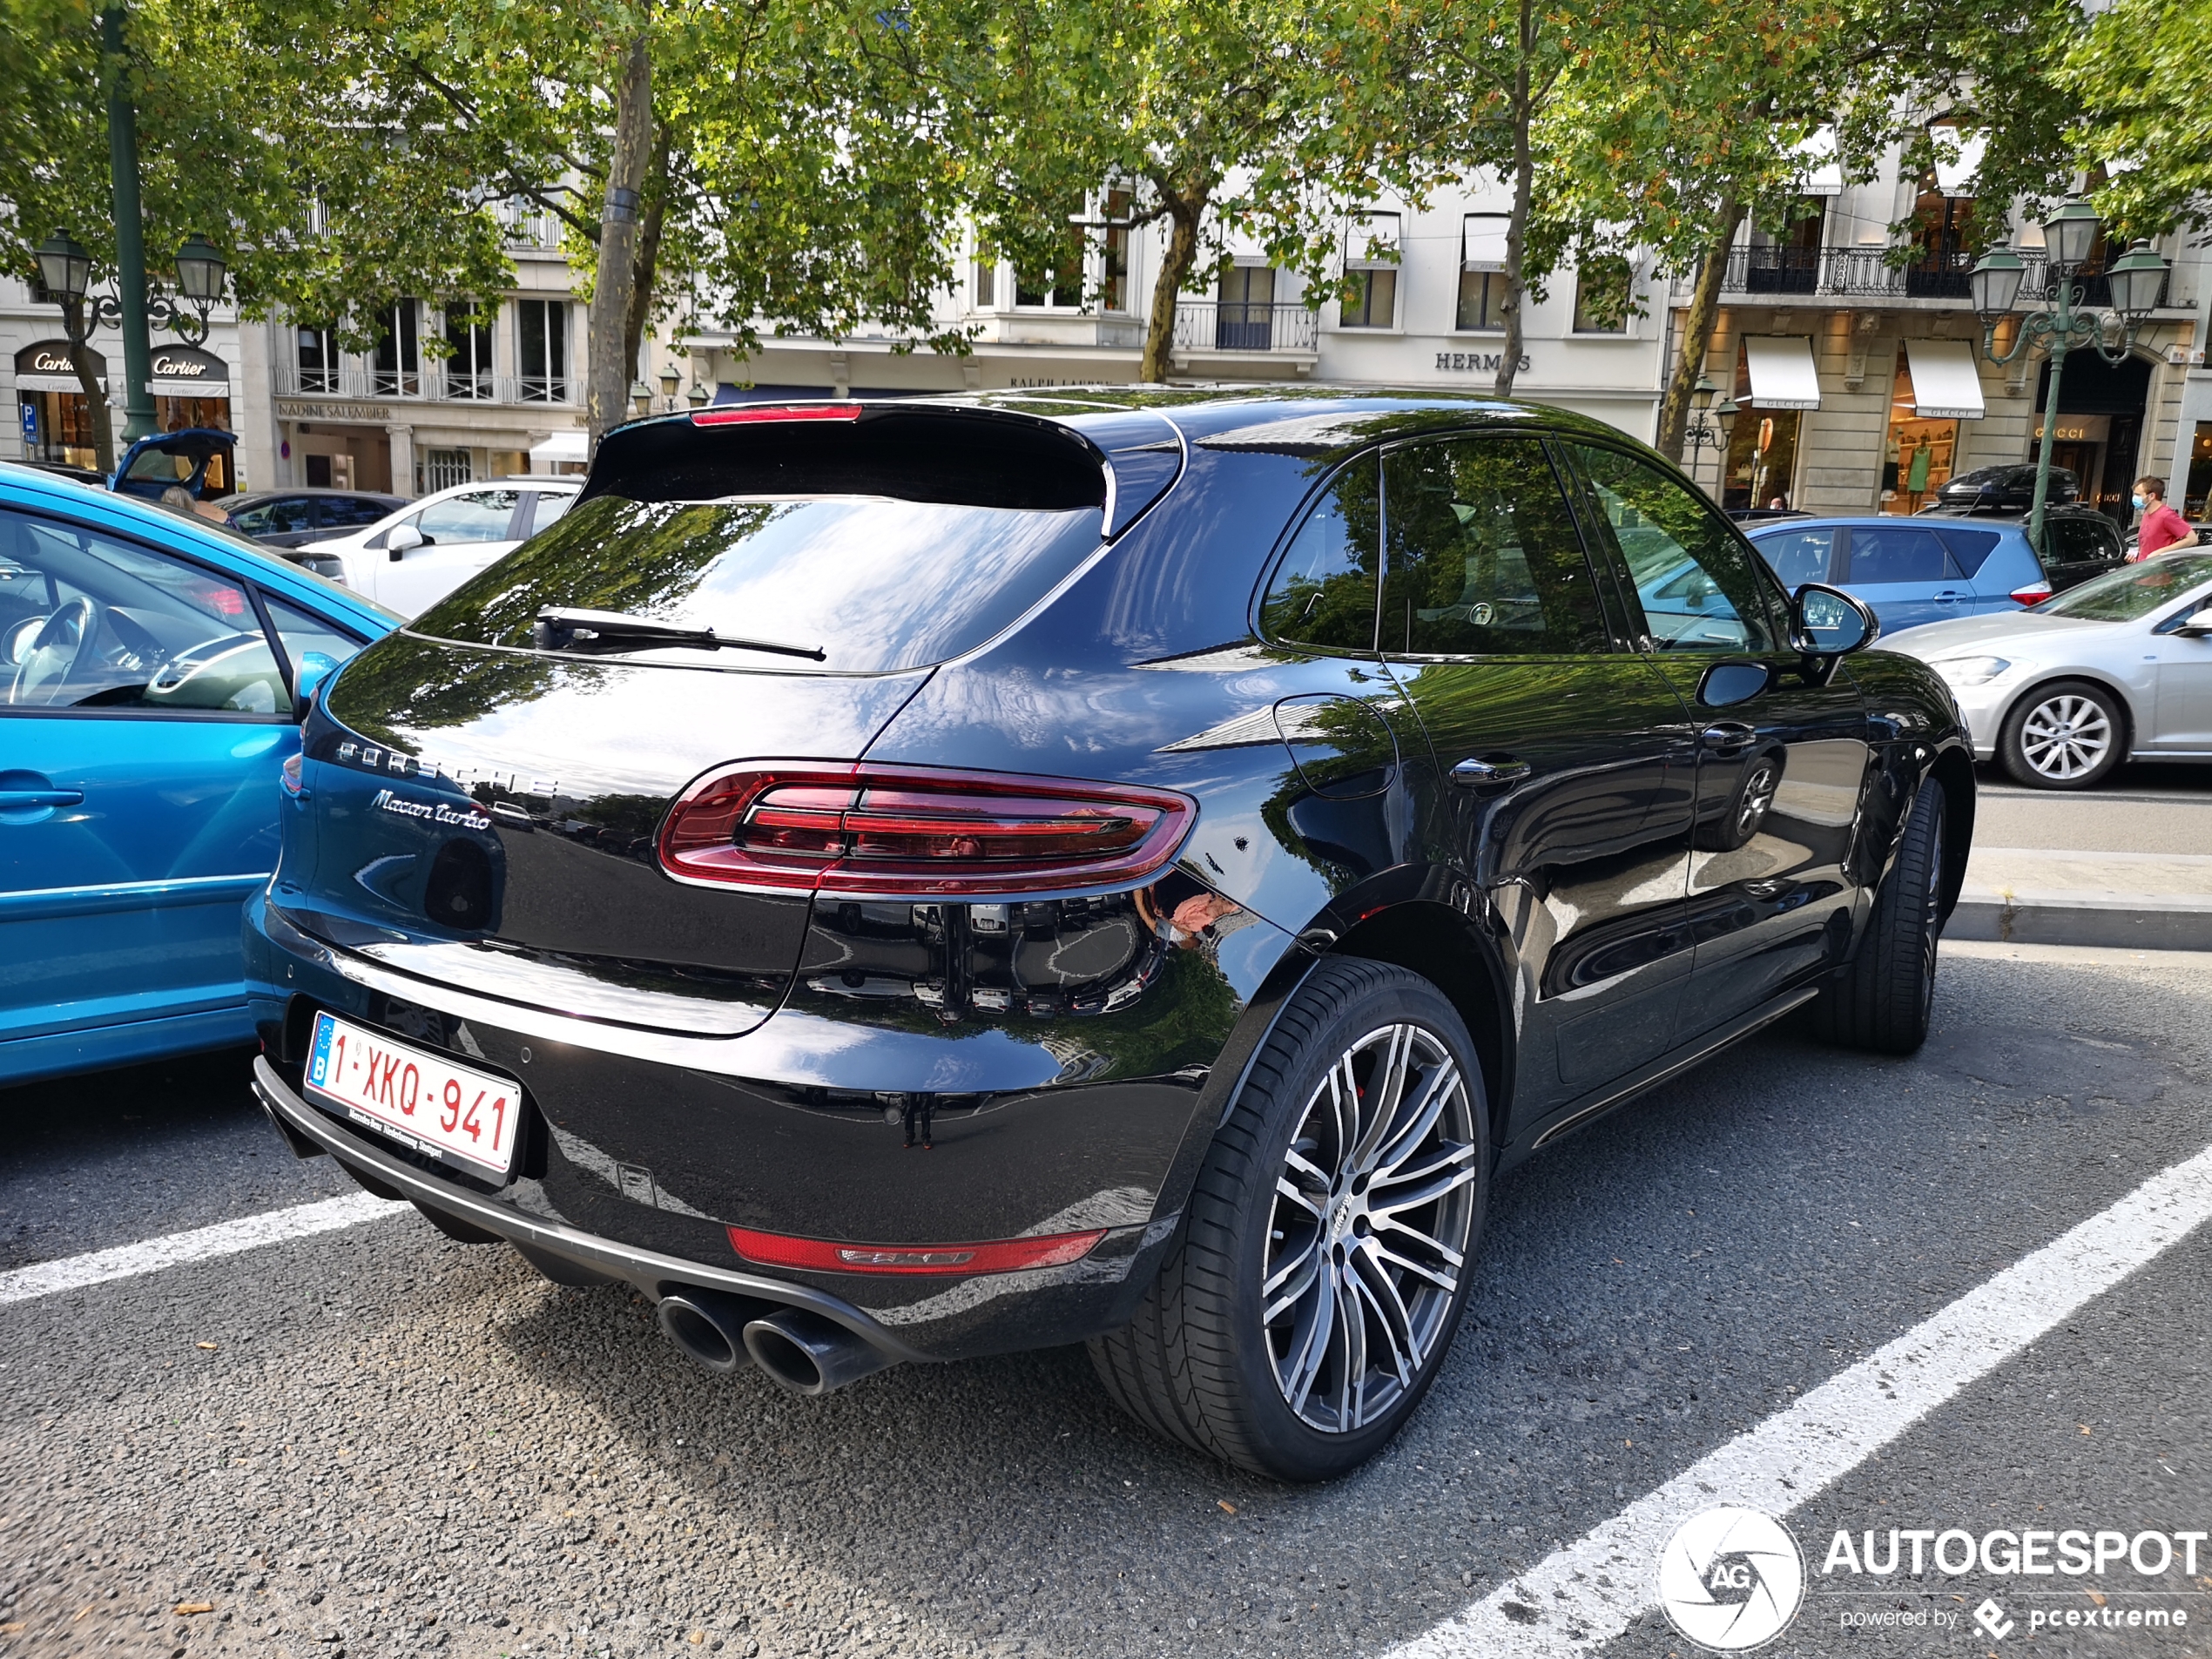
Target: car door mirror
[404, 537]
[314, 668]
[2197, 624]
[1725, 685]
[1827, 622]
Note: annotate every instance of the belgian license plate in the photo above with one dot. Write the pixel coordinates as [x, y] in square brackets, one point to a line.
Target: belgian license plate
[420, 1098]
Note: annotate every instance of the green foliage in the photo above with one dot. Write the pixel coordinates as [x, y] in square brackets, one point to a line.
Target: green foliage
[2143, 122]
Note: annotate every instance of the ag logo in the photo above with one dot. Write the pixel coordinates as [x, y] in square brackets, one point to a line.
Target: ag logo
[1731, 1579]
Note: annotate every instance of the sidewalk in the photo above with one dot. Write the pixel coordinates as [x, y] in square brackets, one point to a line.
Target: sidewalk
[2039, 896]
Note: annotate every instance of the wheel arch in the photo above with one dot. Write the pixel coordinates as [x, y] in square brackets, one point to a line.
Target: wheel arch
[1952, 771]
[1430, 938]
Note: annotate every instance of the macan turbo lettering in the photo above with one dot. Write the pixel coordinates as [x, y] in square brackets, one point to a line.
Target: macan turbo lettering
[905, 881]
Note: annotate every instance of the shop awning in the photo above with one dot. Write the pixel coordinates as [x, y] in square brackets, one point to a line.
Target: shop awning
[1783, 376]
[1946, 384]
[188, 389]
[52, 383]
[562, 445]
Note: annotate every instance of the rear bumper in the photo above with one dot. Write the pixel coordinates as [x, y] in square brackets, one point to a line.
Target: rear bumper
[601, 1258]
[642, 1149]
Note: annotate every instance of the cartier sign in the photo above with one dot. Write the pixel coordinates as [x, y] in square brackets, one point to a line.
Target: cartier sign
[51, 357]
[189, 363]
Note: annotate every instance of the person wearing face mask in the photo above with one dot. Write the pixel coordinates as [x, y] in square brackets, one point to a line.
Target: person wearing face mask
[2161, 527]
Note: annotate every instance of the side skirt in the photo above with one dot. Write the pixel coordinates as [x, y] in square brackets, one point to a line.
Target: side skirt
[1605, 1099]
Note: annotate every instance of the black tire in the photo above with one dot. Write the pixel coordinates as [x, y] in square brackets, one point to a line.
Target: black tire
[1882, 1003]
[1202, 1363]
[2067, 735]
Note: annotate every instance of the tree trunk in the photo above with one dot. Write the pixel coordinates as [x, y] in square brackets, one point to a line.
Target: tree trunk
[607, 385]
[1184, 215]
[1524, 190]
[95, 398]
[647, 263]
[1697, 331]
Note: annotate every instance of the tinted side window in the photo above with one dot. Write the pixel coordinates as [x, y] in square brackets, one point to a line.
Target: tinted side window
[1908, 553]
[1970, 548]
[278, 517]
[2076, 540]
[127, 628]
[353, 511]
[1323, 594]
[1479, 556]
[1698, 582]
[1796, 556]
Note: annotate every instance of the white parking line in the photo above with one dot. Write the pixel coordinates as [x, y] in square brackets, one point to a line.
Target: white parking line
[224, 1239]
[1584, 1596]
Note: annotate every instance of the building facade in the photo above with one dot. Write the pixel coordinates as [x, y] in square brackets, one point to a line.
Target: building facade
[506, 396]
[1860, 374]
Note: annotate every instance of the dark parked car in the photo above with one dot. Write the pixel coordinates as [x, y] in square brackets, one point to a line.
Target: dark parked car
[2001, 490]
[902, 881]
[295, 518]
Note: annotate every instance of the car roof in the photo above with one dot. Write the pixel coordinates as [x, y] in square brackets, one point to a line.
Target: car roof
[1830, 520]
[28, 488]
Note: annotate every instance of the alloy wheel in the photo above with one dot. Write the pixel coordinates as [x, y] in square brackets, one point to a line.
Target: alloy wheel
[2066, 737]
[1374, 1207]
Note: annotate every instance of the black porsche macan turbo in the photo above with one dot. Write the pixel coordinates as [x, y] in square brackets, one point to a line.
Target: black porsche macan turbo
[902, 881]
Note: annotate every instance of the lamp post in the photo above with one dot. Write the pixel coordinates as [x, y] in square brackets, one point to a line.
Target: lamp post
[66, 270]
[1701, 432]
[2138, 278]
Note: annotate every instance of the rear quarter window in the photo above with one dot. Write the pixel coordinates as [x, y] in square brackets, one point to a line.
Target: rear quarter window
[879, 584]
[1970, 548]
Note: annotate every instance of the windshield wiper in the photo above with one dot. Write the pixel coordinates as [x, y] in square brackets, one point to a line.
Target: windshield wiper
[559, 628]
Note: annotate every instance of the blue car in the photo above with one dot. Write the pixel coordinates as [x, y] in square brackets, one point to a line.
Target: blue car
[1931, 569]
[152, 672]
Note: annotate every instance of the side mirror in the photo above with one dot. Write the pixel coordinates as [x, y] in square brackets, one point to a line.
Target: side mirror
[2198, 624]
[1725, 685]
[314, 668]
[403, 538]
[1827, 622]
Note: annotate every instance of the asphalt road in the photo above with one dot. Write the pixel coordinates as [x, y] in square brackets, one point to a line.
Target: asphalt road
[2145, 808]
[377, 1441]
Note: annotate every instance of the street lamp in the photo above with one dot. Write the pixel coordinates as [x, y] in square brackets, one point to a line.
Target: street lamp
[2137, 279]
[1702, 432]
[699, 397]
[670, 380]
[641, 398]
[66, 268]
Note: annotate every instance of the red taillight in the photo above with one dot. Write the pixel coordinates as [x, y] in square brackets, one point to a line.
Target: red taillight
[751, 413]
[809, 826]
[2034, 594]
[827, 1255]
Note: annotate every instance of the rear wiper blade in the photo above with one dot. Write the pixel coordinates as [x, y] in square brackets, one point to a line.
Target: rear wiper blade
[559, 628]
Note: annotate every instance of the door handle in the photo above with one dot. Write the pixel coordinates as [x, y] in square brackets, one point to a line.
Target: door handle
[1487, 770]
[1729, 737]
[17, 800]
[1949, 596]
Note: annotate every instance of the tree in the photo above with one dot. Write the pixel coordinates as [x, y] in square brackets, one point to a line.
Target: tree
[2130, 79]
[1186, 105]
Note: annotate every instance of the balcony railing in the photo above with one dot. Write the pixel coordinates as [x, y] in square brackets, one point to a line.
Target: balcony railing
[1867, 273]
[436, 383]
[1233, 325]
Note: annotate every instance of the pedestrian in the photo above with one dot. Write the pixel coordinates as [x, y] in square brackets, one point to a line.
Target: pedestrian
[2161, 527]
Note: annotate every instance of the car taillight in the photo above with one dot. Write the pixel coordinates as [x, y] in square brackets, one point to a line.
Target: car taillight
[2034, 594]
[827, 1255]
[808, 826]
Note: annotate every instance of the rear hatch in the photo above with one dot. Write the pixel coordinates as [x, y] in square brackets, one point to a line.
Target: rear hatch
[485, 789]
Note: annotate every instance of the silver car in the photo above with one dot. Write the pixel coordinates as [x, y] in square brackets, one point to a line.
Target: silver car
[2119, 667]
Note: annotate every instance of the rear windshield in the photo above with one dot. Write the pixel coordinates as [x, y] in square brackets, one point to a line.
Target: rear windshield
[877, 585]
[2133, 591]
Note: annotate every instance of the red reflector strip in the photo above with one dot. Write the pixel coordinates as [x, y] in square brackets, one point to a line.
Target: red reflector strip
[827, 1255]
[750, 415]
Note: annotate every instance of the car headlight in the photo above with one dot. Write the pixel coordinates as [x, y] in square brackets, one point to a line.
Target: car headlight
[1971, 671]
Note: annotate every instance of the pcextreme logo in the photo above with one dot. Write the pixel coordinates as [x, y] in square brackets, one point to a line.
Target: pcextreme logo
[1731, 1579]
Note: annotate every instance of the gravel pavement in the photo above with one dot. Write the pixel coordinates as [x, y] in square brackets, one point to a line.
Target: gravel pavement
[379, 1441]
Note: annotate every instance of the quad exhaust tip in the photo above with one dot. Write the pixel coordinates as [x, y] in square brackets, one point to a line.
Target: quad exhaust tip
[807, 1353]
[800, 1350]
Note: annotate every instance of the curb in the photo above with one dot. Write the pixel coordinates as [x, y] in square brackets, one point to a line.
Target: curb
[2126, 921]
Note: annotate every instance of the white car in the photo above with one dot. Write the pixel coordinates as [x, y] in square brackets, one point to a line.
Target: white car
[411, 559]
[2118, 668]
